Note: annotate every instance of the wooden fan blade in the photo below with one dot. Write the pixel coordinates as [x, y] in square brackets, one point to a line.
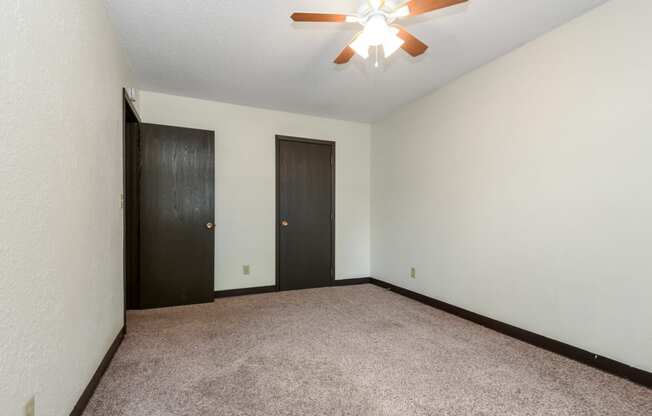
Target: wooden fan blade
[345, 56]
[418, 7]
[318, 17]
[348, 52]
[412, 45]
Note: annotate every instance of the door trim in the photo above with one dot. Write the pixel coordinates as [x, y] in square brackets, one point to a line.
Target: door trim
[129, 115]
[279, 139]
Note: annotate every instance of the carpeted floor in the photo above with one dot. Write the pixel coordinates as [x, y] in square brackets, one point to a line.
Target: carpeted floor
[358, 350]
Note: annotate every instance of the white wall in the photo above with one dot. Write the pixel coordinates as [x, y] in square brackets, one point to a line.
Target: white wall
[245, 156]
[523, 191]
[61, 288]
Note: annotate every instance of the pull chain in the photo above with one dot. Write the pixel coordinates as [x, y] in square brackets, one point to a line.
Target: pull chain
[376, 65]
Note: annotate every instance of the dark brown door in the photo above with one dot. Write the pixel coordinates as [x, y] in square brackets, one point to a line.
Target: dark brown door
[177, 208]
[305, 213]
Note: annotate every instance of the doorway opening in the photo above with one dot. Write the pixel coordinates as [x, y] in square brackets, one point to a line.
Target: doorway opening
[169, 209]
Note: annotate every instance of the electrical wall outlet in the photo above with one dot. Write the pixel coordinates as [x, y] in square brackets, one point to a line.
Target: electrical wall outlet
[413, 273]
[246, 270]
[30, 407]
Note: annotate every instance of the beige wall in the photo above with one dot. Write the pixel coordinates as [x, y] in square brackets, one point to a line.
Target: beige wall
[246, 188]
[523, 190]
[61, 294]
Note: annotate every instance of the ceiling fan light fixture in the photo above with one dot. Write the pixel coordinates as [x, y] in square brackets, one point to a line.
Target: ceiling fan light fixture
[361, 46]
[377, 33]
[376, 30]
[392, 43]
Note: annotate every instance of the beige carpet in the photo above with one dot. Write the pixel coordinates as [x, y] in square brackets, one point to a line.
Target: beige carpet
[358, 350]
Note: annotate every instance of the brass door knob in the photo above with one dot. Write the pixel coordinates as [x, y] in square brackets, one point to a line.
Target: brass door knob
[210, 226]
[285, 223]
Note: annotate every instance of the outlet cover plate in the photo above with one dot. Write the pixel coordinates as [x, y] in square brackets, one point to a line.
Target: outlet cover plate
[30, 407]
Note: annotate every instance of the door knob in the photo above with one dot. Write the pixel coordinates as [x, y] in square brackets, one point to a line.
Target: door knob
[210, 226]
[285, 223]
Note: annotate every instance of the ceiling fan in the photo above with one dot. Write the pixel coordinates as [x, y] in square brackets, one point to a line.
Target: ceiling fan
[379, 28]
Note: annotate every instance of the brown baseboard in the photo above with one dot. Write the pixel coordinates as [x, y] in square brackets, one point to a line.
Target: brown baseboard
[608, 365]
[352, 282]
[245, 291]
[95, 380]
[268, 289]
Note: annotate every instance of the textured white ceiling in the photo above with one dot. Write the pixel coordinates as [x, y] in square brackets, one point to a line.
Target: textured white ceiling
[249, 51]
